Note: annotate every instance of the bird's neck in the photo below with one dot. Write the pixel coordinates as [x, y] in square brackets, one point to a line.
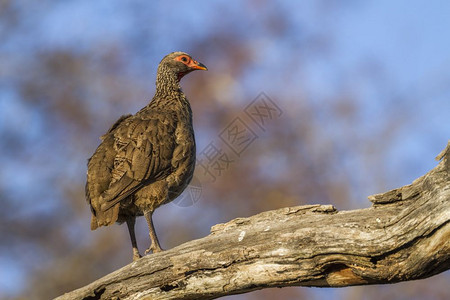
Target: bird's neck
[167, 83]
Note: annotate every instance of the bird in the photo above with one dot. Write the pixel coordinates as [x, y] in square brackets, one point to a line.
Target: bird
[147, 159]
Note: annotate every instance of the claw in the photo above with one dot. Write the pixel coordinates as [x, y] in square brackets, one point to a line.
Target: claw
[153, 249]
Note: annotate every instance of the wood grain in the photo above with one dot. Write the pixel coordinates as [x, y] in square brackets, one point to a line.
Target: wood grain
[405, 235]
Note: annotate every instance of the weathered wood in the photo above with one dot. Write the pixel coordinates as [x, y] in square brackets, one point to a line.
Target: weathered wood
[404, 236]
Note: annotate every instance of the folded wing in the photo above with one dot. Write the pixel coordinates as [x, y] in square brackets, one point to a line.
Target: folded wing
[135, 152]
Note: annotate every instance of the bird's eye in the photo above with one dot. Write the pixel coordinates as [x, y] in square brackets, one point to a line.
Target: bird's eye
[184, 59]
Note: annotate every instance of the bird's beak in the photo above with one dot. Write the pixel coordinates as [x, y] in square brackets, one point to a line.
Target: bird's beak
[197, 65]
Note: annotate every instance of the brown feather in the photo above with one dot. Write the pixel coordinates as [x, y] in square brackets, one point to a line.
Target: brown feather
[146, 159]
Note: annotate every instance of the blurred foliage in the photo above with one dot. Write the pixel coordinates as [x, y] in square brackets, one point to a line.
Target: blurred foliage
[67, 73]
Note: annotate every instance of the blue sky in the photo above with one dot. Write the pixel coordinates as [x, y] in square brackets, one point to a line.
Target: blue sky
[409, 40]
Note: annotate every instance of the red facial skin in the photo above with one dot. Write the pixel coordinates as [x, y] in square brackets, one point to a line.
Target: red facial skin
[190, 62]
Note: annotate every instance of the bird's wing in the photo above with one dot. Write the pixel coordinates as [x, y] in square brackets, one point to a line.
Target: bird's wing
[142, 149]
[114, 126]
[99, 177]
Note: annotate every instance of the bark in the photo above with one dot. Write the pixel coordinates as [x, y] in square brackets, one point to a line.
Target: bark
[404, 236]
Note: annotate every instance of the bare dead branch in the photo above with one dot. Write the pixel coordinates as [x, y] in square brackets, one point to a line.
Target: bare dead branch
[404, 236]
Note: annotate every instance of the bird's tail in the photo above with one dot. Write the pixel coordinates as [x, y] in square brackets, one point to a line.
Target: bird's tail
[105, 218]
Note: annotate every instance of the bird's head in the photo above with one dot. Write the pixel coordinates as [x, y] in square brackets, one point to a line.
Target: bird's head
[180, 64]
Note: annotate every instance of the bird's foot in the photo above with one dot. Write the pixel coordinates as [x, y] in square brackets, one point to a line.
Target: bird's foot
[153, 248]
[136, 255]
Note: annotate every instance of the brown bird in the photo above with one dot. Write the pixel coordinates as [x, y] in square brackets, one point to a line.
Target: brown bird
[147, 159]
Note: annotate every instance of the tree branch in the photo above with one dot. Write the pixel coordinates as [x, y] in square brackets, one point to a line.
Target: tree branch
[404, 236]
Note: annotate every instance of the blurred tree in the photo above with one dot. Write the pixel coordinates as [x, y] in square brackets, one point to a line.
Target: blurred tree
[69, 69]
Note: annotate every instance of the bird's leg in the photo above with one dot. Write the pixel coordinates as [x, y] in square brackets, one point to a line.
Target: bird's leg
[130, 223]
[154, 246]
